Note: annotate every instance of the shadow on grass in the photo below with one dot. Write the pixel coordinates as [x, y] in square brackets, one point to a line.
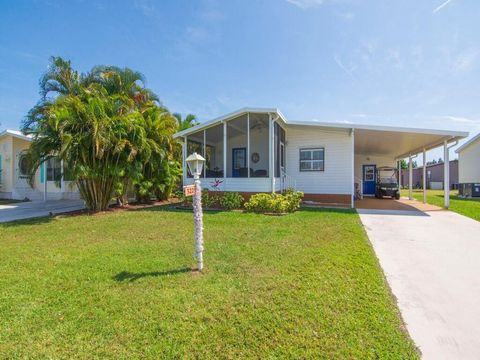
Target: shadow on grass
[129, 276]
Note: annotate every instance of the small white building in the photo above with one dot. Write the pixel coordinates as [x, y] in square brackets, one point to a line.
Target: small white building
[256, 150]
[469, 161]
[47, 182]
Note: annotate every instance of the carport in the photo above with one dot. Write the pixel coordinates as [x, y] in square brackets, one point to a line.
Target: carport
[385, 146]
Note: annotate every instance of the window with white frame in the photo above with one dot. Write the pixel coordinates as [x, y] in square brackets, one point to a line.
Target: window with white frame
[312, 159]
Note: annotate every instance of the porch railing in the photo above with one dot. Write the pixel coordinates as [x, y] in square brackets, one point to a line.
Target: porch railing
[287, 182]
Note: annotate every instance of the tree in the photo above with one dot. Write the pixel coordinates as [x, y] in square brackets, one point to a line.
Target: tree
[106, 127]
[185, 123]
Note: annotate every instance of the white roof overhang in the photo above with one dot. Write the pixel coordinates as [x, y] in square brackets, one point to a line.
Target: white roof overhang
[397, 142]
[468, 143]
[16, 134]
[228, 117]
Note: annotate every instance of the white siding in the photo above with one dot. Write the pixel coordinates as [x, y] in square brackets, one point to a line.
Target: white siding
[337, 177]
[237, 184]
[361, 160]
[469, 163]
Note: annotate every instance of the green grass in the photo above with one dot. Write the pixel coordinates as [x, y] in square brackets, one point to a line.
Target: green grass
[306, 285]
[467, 207]
[8, 201]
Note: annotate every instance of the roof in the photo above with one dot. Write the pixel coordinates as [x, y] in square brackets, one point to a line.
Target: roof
[229, 116]
[399, 142]
[317, 123]
[468, 143]
[17, 134]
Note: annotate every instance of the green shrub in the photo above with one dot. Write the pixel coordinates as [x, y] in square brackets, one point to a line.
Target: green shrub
[231, 200]
[275, 203]
[208, 200]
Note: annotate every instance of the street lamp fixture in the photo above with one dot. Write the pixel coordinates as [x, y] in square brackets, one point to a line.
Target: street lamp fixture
[195, 165]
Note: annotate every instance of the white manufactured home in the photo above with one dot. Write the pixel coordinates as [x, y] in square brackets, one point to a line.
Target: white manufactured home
[469, 161]
[256, 150]
[14, 184]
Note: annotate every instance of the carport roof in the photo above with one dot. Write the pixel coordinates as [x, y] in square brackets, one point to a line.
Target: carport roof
[391, 141]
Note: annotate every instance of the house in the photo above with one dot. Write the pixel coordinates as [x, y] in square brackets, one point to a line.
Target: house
[14, 182]
[256, 150]
[435, 176]
[469, 161]
[469, 167]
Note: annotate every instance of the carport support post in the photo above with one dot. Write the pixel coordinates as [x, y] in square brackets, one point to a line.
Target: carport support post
[424, 176]
[410, 177]
[446, 175]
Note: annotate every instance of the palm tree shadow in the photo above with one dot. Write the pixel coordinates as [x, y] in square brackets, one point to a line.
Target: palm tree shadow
[129, 276]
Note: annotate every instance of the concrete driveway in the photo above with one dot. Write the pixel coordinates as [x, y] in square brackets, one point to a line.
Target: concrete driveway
[34, 209]
[432, 262]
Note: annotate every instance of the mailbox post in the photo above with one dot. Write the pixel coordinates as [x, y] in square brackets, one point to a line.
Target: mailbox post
[195, 165]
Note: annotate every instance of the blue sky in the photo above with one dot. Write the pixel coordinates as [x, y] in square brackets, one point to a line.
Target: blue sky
[400, 63]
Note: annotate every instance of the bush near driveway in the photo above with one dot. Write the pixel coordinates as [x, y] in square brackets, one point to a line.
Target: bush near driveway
[119, 285]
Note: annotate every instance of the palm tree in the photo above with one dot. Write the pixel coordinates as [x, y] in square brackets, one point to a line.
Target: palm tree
[189, 121]
[110, 131]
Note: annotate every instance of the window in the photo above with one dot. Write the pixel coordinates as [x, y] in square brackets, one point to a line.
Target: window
[23, 166]
[312, 159]
[54, 172]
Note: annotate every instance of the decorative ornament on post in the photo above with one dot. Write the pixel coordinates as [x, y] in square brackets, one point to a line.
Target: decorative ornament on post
[195, 165]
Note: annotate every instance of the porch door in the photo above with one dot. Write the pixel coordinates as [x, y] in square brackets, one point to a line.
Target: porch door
[369, 172]
[239, 160]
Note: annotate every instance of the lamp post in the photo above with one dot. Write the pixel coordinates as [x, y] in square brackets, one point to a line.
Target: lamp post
[195, 165]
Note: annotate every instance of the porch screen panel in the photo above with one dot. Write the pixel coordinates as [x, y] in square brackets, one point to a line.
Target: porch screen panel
[214, 152]
[279, 134]
[237, 132]
[259, 140]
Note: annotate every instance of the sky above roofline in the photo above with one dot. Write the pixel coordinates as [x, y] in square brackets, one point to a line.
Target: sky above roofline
[406, 63]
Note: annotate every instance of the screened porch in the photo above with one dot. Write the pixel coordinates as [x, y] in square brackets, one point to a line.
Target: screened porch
[242, 153]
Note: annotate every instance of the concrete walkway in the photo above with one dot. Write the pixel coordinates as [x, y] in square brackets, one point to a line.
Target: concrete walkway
[34, 209]
[432, 262]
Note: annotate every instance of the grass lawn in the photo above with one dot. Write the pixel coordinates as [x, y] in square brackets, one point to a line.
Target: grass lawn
[8, 201]
[467, 207]
[306, 285]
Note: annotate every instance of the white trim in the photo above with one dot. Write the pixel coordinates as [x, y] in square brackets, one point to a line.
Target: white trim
[248, 145]
[184, 163]
[16, 134]
[410, 177]
[228, 117]
[352, 134]
[468, 143]
[446, 175]
[424, 176]
[204, 152]
[224, 150]
[459, 134]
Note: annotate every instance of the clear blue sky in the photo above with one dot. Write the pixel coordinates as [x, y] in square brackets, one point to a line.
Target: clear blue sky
[400, 63]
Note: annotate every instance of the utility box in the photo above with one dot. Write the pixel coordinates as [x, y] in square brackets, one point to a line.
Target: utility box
[469, 189]
[436, 185]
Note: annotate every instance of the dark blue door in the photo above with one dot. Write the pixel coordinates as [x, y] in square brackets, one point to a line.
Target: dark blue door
[239, 161]
[369, 172]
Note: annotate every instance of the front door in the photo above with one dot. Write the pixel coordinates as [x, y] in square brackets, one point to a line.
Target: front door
[369, 179]
[239, 160]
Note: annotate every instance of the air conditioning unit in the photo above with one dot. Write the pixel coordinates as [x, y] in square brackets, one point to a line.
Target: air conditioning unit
[469, 189]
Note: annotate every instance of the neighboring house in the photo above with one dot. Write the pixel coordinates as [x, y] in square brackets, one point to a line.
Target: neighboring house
[14, 177]
[258, 150]
[469, 161]
[435, 176]
[469, 167]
